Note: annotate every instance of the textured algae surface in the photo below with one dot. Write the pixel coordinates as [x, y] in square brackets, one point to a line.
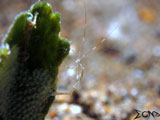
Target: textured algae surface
[29, 67]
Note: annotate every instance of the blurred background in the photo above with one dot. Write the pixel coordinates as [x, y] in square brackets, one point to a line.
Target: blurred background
[115, 53]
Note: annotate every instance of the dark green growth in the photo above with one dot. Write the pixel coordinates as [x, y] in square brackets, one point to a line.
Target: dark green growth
[29, 67]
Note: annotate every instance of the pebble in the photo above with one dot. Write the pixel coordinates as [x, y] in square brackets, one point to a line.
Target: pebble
[138, 73]
[108, 109]
[134, 91]
[52, 114]
[67, 118]
[93, 95]
[75, 109]
[63, 107]
[62, 98]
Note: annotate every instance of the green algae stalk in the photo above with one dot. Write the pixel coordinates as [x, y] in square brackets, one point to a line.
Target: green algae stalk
[29, 66]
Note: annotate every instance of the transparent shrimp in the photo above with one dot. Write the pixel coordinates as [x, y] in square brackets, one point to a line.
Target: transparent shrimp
[78, 63]
[79, 67]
